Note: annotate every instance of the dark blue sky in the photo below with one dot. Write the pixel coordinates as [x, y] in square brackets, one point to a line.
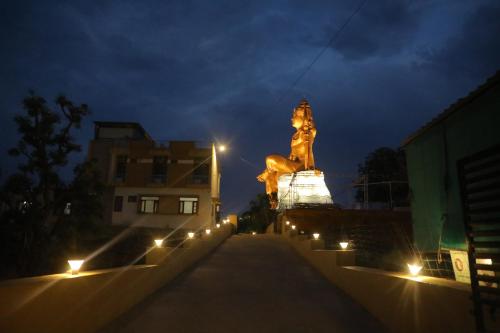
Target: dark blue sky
[219, 70]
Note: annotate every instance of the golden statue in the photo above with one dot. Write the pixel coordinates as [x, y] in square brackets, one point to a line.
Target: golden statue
[301, 156]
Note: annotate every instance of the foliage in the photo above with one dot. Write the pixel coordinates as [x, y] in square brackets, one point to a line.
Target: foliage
[384, 165]
[33, 224]
[45, 144]
[258, 217]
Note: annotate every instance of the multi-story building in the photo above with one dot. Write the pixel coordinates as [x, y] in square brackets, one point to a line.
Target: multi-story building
[149, 184]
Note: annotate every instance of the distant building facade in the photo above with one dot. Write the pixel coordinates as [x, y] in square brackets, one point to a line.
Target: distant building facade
[467, 127]
[176, 185]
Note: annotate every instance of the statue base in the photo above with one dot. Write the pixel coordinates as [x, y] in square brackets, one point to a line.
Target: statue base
[303, 188]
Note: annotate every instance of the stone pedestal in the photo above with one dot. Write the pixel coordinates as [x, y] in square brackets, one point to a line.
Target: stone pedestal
[157, 255]
[188, 242]
[302, 237]
[346, 257]
[317, 244]
[303, 188]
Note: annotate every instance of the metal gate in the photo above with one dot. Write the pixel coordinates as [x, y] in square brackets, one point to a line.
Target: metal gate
[480, 192]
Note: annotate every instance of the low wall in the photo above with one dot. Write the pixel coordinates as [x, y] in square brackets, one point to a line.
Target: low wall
[401, 302]
[377, 235]
[90, 300]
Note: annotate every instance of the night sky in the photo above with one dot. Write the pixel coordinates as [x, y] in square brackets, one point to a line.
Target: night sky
[221, 71]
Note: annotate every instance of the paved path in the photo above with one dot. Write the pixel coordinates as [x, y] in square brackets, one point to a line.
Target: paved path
[249, 284]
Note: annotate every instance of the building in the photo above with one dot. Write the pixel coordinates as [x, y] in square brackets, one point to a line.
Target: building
[434, 153]
[149, 184]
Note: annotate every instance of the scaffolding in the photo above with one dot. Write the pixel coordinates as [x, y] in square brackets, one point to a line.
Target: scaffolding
[303, 189]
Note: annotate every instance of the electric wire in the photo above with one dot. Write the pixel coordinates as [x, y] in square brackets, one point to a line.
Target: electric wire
[320, 53]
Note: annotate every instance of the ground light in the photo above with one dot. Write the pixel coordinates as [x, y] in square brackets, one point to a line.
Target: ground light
[75, 266]
[191, 235]
[344, 245]
[414, 269]
[208, 231]
[316, 236]
[158, 242]
[254, 233]
[293, 227]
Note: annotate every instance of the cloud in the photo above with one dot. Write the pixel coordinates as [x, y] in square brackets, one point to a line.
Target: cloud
[217, 69]
[473, 52]
[381, 28]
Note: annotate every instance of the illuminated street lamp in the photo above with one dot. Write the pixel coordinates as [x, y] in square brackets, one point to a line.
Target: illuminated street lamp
[158, 242]
[217, 225]
[344, 245]
[208, 231]
[293, 227]
[254, 233]
[316, 236]
[190, 235]
[75, 266]
[287, 222]
[414, 269]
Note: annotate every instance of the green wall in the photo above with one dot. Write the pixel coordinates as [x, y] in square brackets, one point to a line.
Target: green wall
[432, 170]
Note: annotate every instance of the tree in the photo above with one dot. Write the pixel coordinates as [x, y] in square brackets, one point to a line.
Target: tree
[33, 222]
[258, 217]
[80, 208]
[46, 144]
[384, 171]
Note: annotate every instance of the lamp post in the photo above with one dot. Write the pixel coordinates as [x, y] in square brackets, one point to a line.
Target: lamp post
[343, 245]
[75, 265]
[215, 180]
[414, 269]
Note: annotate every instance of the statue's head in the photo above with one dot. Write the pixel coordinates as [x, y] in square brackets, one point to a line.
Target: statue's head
[302, 116]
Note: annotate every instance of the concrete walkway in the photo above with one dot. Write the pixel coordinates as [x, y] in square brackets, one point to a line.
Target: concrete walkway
[249, 284]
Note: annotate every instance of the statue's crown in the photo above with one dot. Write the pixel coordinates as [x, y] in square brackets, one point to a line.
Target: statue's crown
[304, 108]
[304, 103]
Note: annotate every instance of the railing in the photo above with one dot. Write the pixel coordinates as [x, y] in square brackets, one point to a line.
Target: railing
[480, 191]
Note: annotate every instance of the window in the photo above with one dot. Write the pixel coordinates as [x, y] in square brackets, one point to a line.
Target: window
[201, 173]
[118, 203]
[188, 205]
[149, 205]
[121, 168]
[132, 198]
[159, 169]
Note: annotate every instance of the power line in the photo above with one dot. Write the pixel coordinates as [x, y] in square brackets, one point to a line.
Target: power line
[332, 39]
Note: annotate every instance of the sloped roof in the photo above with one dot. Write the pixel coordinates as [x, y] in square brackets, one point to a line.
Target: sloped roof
[455, 107]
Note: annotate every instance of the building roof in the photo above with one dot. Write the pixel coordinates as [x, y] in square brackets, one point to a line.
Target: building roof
[455, 107]
[123, 124]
